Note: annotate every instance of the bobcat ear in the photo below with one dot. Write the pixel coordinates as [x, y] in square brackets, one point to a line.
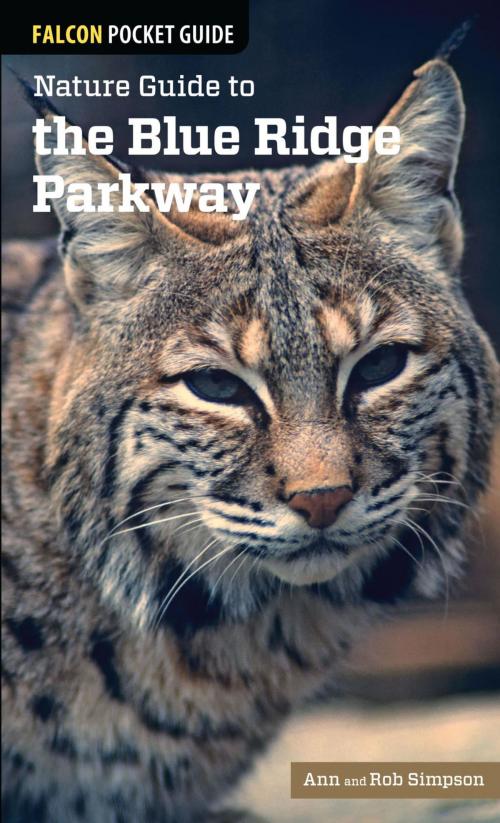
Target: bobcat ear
[105, 254]
[414, 188]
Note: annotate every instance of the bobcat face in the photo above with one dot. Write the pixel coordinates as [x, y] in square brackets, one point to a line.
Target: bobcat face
[307, 391]
[304, 398]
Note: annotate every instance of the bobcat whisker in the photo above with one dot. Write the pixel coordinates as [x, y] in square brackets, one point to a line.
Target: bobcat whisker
[439, 553]
[437, 498]
[440, 498]
[404, 522]
[181, 585]
[453, 481]
[450, 482]
[453, 477]
[183, 528]
[215, 584]
[252, 567]
[423, 478]
[154, 523]
[410, 524]
[433, 483]
[416, 509]
[156, 506]
[181, 577]
[407, 551]
[240, 565]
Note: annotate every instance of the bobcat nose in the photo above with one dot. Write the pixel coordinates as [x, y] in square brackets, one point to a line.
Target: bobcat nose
[321, 507]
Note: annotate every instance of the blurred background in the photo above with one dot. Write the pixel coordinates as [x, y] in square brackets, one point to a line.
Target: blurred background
[424, 685]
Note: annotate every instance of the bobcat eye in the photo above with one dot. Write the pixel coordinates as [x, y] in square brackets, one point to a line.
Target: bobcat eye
[379, 366]
[218, 386]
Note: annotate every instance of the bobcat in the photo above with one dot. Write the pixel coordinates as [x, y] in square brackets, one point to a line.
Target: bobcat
[229, 445]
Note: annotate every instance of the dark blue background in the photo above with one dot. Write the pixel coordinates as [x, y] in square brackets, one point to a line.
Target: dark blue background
[310, 57]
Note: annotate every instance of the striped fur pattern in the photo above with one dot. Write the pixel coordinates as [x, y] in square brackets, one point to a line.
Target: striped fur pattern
[165, 609]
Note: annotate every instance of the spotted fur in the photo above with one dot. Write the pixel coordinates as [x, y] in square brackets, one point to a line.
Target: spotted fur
[164, 608]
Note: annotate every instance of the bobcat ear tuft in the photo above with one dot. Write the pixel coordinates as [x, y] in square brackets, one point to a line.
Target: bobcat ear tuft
[41, 105]
[413, 189]
[456, 38]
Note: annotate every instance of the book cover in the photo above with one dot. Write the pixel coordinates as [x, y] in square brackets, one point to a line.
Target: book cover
[251, 547]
